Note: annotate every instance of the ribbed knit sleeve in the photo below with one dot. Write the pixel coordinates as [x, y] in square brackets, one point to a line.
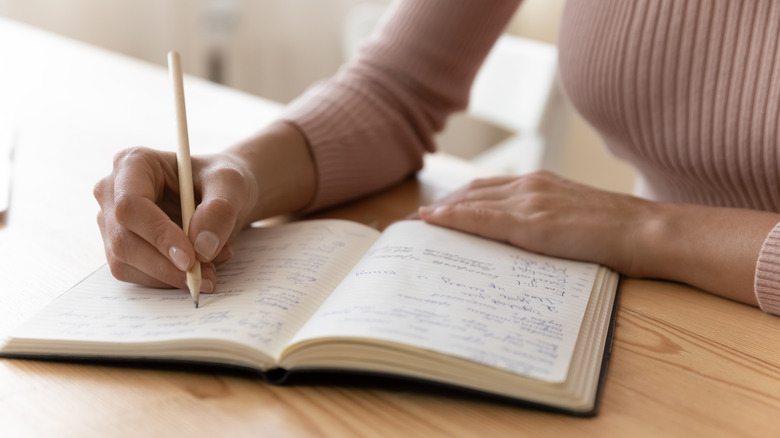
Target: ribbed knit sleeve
[689, 93]
[370, 124]
[767, 283]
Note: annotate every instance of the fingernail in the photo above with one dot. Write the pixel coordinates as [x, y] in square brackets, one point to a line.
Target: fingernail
[207, 286]
[179, 258]
[430, 210]
[206, 244]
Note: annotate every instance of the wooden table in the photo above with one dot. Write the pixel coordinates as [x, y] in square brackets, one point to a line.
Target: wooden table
[684, 363]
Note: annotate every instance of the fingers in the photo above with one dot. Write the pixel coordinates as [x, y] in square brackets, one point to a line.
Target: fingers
[481, 183]
[226, 195]
[514, 209]
[495, 188]
[143, 244]
[133, 261]
[547, 214]
[490, 219]
[143, 218]
[146, 273]
[143, 179]
[506, 187]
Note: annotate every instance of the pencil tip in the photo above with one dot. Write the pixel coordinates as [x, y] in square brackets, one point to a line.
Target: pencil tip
[196, 304]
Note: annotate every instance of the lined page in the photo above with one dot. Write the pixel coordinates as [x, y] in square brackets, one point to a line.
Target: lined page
[442, 290]
[276, 279]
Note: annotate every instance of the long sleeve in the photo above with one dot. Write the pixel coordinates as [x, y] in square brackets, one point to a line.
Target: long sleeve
[369, 126]
[767, 282]
[689, 93]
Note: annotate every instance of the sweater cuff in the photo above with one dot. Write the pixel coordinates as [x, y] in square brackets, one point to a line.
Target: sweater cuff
[359, 143]
[767, 281]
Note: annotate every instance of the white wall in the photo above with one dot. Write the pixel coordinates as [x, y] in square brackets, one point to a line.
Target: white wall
[276, 48]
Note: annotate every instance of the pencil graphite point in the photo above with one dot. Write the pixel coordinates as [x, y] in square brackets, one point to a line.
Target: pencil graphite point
[193, 284]
[194, 281]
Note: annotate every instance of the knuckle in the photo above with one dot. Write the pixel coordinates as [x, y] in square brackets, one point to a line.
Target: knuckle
[536, 181]
[222, 209]
[534, 203]
[123, 208]
[100, 189]
[484, 182]
[482, 215]
[241, 188]
[541, 219]
[230, 174]
[129, 155]
[159, 232]
[117, 246]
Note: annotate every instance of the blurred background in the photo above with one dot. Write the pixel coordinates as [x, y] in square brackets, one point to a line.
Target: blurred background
[276, 48]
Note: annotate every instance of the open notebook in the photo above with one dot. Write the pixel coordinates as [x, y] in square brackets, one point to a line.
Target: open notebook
[415, 300]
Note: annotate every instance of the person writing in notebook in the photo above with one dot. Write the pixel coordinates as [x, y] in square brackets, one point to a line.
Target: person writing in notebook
[689, 92]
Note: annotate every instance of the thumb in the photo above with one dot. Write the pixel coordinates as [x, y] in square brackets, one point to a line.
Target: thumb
[223, 201]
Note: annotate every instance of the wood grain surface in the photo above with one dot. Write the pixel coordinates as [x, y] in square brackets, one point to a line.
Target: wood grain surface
[684, 363]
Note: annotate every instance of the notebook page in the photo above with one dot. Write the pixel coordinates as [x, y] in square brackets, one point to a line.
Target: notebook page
[442, 290]
[276, 279]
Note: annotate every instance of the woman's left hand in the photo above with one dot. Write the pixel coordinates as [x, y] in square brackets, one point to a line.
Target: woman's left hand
[547, 214]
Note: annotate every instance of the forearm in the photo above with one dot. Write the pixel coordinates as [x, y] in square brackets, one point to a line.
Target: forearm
[279, 159]
[711, 248]
[370, 125]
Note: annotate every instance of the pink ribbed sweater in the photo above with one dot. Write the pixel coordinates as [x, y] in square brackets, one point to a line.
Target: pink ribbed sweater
[687, 91]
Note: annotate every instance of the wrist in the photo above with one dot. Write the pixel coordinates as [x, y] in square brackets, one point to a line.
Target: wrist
[712, 248]
[280, 166]
[654, 243]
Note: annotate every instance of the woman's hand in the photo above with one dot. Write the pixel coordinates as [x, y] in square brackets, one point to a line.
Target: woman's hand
[140, 217]
[140, 214]
[711, 248]
[547, 214]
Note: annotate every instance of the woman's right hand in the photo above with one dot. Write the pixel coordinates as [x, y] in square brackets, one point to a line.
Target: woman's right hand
[140, 213]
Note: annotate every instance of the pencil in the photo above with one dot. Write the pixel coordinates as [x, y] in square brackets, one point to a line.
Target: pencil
[184, 162]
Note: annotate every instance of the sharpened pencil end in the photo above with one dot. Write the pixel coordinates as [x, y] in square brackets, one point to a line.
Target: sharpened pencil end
[194, 281]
